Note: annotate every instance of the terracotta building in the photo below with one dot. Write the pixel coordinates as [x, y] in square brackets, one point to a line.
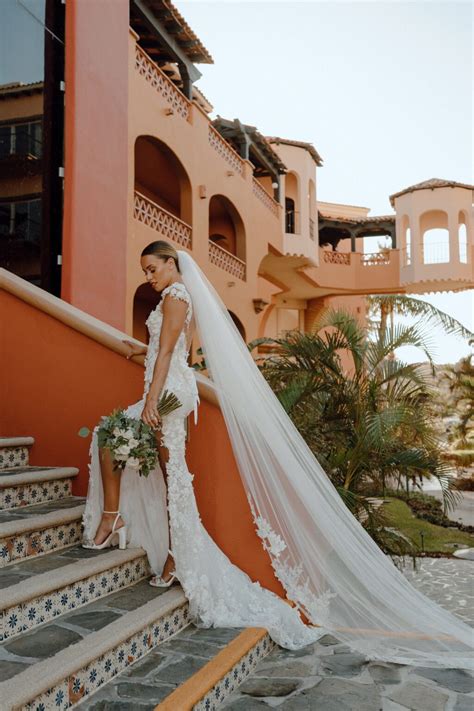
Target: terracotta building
[142, 160]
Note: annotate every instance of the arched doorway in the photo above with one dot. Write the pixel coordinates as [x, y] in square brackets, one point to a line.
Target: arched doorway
[239, 324]
[226, 228]
[144, 301]
[161, 177]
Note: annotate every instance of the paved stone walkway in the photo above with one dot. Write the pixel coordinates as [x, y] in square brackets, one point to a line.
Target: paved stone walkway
[326, 676]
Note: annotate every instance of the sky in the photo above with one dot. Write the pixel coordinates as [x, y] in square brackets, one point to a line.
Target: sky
[384, 91]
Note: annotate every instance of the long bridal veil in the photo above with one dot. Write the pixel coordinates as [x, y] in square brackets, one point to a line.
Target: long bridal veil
[327, 563]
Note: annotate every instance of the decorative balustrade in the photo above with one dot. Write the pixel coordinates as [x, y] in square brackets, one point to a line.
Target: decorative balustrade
[225, 150]
[375, 259]
[159, 219]
[337, 257]
[265, 197]
[159, 81]
[225, 260]
[311, 228]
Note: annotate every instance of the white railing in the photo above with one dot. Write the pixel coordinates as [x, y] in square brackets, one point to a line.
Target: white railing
[435, 252]
[163, 85]
[160, 220]
[375, 259]
[226, 260]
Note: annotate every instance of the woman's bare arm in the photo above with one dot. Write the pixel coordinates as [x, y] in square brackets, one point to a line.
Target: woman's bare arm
[174, 315]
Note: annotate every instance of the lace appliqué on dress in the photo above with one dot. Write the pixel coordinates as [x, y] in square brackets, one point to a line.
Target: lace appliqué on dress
[316, 607]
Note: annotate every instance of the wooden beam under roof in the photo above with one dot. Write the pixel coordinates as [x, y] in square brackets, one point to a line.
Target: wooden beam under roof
[156, 28]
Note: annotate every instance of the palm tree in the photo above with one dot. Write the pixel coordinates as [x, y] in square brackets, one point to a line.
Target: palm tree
[368, 421]
[384, 307]
[460, 379]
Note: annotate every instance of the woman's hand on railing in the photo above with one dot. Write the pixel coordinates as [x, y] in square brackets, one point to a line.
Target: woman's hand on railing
[134, 349]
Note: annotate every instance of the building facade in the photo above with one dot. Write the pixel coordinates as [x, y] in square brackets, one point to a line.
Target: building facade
[142, 159]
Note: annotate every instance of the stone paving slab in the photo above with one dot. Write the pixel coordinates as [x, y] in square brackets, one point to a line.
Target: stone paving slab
[152, 679]
[327, 676]
[20, 652]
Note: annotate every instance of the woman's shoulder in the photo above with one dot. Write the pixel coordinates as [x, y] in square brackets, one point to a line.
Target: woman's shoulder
[176, 290]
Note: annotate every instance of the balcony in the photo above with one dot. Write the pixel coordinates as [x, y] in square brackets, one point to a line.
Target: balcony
[163, 222]
[151, 72]
[265, 197]
[227, 261]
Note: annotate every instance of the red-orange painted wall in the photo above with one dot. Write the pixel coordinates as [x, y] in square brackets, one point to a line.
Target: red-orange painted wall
[96, 157]
[60, 380]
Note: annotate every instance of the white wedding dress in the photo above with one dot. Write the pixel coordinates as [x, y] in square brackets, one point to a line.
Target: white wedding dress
[219, 593]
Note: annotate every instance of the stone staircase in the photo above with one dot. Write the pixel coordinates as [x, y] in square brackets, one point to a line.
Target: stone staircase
[82, 627]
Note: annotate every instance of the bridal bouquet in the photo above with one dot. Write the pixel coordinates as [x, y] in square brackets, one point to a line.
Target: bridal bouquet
[131, 442]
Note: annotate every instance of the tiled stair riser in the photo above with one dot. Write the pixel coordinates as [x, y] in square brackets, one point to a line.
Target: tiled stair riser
[26, 616]
[13, 457]
[39, 493]
[92, 677]
[235, 676]
[33, 543]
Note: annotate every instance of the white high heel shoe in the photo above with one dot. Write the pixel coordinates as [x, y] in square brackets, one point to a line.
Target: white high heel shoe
[121, 532]
[158, 582]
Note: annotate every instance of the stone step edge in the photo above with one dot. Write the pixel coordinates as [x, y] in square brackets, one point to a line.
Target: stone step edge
[30, 477]
[193, 690]
[16, 442]
[41, 521]
[53, 580]
[37, 679]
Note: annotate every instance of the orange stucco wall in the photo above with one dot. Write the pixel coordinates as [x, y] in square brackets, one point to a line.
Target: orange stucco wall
[96, 158]
[60, 380]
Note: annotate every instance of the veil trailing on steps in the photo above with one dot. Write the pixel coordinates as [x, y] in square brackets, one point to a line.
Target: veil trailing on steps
[327, 563]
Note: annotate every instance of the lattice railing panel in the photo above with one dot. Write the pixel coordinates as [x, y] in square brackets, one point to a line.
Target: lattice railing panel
[225, 151]
[267, 199]
[337, 257]
[159, 81]
[225, 260]
[161, 221]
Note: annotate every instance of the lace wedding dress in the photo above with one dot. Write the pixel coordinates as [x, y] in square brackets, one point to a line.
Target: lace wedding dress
[219, 593]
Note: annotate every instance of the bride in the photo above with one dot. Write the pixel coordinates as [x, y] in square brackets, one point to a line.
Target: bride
[332, 571]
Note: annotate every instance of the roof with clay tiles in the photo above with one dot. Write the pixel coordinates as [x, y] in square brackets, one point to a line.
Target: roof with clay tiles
[299, 144]
[430, 184]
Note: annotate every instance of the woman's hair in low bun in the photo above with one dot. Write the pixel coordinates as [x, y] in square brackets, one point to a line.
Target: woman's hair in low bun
[163, 250]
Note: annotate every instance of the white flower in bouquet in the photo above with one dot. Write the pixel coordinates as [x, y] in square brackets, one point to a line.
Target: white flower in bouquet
[130, 441]
[124, 449]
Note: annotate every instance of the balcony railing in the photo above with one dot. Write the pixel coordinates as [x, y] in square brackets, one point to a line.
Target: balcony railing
[163, 85]
[226, 260]
[435, 252]
[311, 228]
[375, 259]
[337, 257]
[162, 221]
[225, 150]
[265, 197]
[292, 222]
